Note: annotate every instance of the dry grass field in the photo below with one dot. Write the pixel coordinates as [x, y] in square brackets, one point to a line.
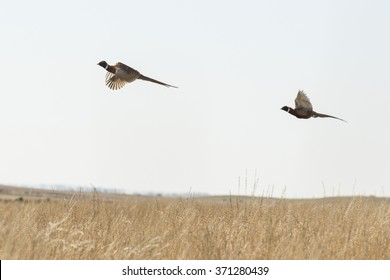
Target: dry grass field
[60, 225]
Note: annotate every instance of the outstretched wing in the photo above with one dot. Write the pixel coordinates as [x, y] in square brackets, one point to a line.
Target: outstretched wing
[114, 82]
[303, 102]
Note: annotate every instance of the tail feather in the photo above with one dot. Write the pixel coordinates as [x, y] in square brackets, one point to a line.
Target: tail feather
[319, 115]
[142, 77]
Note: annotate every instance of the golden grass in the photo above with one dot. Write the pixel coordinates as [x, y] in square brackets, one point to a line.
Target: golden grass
[95, 227]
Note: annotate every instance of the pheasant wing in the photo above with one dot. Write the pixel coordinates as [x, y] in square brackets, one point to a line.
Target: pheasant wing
[124, 67]
[114, 82]
[303, 102]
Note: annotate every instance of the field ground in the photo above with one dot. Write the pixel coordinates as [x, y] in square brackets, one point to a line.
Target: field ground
[41, 224]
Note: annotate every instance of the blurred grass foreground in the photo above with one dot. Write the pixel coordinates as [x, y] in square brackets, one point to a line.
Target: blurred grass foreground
[101, 226]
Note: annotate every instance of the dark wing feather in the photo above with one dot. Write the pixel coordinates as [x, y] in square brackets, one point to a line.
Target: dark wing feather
[126, 68]
[114, 81]
[303, 102]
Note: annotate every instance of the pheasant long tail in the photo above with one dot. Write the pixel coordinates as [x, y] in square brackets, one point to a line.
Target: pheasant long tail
[319, 115]
[142, 77]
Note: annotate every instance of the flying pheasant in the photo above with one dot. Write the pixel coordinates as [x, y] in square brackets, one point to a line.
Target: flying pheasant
[120, 74]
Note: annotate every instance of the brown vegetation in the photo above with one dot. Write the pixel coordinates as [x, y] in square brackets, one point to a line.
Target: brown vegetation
[130, 227]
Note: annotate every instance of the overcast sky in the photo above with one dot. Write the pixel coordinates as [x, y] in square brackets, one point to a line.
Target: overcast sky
[236, 63]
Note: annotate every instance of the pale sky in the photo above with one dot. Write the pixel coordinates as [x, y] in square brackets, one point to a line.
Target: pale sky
[236, 63]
